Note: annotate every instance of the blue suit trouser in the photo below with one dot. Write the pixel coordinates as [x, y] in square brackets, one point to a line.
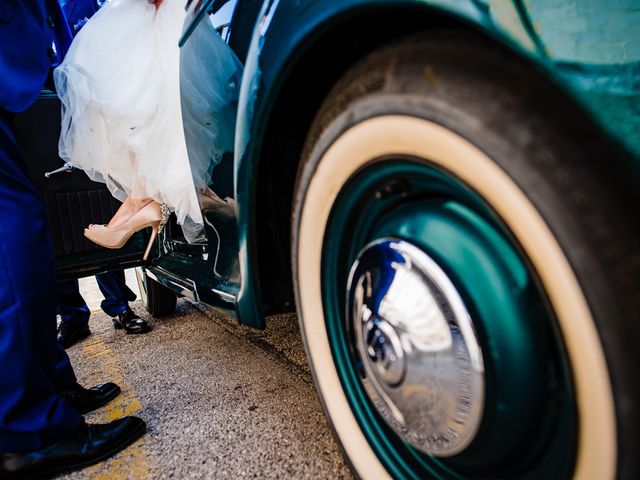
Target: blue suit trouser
[72, 308]
[33, 366]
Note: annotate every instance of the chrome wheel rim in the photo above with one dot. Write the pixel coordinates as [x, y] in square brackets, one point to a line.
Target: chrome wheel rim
[423, 364]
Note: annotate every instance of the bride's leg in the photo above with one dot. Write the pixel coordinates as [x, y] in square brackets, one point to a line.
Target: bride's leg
[137, 199]
[206, 191]
[128, 209]
[122, 213]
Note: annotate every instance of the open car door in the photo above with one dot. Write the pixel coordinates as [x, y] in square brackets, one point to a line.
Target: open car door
[72, 200]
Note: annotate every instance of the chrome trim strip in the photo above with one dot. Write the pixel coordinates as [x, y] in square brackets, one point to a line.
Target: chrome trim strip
[182, 286]
[227, 297]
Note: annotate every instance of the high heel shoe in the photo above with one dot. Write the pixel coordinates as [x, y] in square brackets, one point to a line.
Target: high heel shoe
[154, 215]
[225, 208]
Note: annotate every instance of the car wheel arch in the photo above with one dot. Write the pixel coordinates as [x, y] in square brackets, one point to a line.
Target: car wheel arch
[270, 192]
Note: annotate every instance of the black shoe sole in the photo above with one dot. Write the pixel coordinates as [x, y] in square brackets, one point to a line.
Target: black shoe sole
[76, 337]
[50, 472]
[102, 403]
[118, 326]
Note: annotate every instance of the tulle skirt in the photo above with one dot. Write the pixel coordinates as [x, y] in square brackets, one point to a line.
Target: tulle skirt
[210, 82]
[121, 112]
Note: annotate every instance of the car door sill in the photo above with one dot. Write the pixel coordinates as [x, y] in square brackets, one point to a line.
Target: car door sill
[182, 286]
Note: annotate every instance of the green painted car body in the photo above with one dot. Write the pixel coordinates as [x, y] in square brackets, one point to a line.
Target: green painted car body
[588, 50]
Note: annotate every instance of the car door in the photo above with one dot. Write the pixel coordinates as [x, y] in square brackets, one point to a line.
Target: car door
[72, 200]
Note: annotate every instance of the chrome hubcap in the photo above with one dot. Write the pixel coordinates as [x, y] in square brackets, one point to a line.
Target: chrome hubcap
[422, 364]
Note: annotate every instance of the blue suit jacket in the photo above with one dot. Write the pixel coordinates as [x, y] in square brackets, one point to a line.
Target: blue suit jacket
[34, 36]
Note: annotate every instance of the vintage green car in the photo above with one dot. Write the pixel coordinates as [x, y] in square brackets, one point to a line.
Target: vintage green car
[444, 190]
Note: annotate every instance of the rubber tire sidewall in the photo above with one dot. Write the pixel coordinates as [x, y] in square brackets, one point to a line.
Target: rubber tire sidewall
[544, 156]
[158, 300]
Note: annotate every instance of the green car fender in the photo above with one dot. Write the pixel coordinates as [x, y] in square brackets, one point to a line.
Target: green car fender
[577, 48]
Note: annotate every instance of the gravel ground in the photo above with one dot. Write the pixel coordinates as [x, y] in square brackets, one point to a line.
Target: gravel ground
[220, 400]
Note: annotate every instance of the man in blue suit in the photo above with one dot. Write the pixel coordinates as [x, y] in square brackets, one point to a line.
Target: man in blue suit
[73, 310]
[78, 12]
[42, 430]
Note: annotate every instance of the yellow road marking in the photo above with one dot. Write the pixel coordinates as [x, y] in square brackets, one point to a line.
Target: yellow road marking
[133, 462]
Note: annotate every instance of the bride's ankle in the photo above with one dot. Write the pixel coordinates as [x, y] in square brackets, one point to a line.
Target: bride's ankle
[138, 203]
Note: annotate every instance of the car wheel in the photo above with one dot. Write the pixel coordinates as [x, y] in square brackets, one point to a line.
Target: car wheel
[158, 300]
[465, 271]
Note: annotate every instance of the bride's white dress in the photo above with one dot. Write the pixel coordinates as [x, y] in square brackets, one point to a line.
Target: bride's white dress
[121, 118]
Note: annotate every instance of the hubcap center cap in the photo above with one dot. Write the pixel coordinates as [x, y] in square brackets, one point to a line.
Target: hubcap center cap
[385, 351]
[421, 360]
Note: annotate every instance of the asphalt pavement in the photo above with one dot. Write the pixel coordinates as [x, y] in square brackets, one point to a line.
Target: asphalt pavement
[220, 400]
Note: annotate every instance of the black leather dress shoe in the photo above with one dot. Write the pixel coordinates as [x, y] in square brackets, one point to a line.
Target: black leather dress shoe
[90, 444]
[70, 335]
[131, 322]
[85, 400]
